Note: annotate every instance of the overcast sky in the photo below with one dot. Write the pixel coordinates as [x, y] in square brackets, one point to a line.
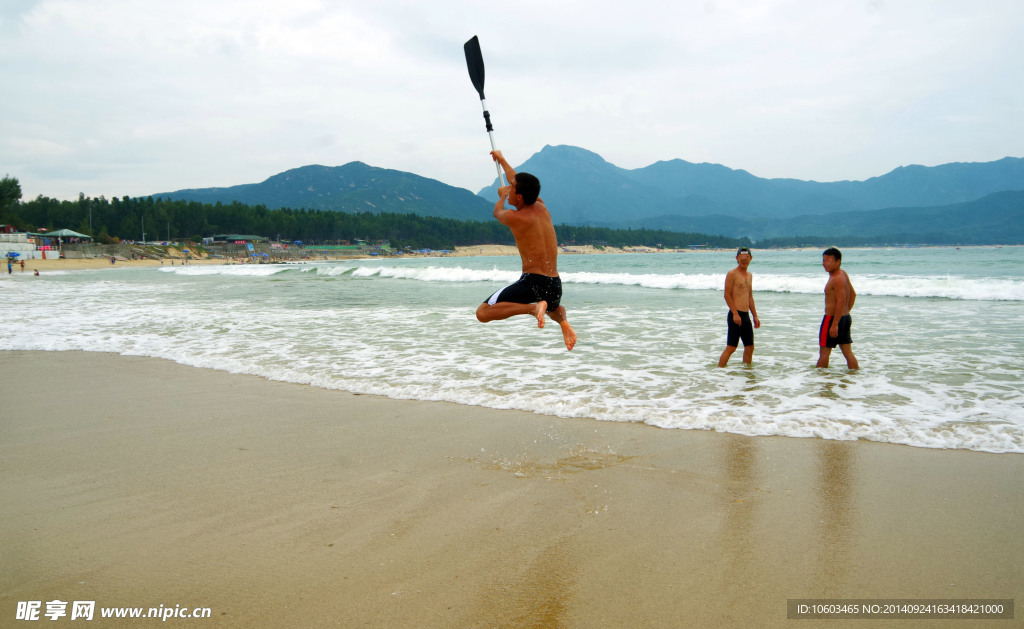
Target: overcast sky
[134, 97]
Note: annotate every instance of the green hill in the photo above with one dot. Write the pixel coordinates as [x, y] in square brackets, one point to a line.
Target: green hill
[354, 187]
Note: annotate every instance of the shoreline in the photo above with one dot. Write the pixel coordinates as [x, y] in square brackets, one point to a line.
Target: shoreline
[77, 264]
[146, 482]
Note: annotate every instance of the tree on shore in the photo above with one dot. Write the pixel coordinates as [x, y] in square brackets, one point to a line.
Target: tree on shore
[10, 196]
[166, 219]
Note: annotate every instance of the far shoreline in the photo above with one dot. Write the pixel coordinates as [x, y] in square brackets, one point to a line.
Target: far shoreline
[78, 264]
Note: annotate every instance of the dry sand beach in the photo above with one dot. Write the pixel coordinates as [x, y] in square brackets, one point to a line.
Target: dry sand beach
[139, 482]
[78, 264]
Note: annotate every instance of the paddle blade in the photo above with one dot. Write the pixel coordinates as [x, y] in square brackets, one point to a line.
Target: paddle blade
[475, 63]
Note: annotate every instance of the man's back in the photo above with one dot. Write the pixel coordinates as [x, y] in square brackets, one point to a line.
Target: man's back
[535, 237]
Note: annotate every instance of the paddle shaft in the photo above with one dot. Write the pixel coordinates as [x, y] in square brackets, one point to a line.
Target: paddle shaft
[475, 64]
[490, 135]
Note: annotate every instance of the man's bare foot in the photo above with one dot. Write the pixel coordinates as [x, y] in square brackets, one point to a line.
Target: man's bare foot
[569, 334]
[542, 308]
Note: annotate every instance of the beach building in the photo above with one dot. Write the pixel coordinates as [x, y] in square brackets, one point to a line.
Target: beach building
[19, 245]
[51, 243]
[239, 245]
[238, 239]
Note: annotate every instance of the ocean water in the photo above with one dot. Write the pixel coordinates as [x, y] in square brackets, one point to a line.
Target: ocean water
[939, 333]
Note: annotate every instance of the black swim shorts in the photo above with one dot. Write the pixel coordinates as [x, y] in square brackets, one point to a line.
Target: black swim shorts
[529, 289]
[744, 331]
[824, 340]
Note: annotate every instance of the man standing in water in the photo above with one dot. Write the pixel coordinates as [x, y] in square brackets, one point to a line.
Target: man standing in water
[539, 290]
[839, 298]
[739, 295]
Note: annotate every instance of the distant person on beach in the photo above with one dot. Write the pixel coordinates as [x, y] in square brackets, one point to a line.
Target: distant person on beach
[538, 291]
[839, 298]
[8, 266]
[739, 295]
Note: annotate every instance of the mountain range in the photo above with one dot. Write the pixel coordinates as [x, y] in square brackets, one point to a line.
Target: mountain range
[354, 187]
[958, 202]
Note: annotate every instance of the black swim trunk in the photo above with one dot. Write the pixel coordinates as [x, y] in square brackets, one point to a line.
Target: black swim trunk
[744, 331]
[529, 289]
[824, 340]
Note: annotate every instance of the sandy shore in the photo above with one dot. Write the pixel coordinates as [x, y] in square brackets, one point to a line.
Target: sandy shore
[138, 482]
[77, 264]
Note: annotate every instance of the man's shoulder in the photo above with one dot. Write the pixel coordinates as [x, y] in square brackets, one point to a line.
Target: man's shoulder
[537, 211]
[837, 278]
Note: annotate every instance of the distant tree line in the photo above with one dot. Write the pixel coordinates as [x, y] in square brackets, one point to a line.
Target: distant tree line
[111, 220]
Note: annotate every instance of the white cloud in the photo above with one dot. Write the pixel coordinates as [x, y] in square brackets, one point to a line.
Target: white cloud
[116, 97]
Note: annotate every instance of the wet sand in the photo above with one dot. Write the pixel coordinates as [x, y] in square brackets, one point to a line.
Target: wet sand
[140, 482]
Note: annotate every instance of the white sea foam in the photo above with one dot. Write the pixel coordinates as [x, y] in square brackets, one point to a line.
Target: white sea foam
[946, 287]
[241, 270]
[699, 281]
[934, 373]
[437, 274]
[949, 287]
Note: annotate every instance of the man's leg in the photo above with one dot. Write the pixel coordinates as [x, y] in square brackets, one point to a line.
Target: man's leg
[748, 354]
[503, 310]
[825, 352]
[559, 316]
[851, 360]
[515, 299]
[732, 338]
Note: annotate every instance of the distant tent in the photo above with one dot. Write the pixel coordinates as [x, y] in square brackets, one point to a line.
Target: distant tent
[65, 233]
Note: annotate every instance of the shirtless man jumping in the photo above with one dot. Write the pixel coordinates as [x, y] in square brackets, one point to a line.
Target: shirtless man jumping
[839, 298]
[739, 295]
[539, 290]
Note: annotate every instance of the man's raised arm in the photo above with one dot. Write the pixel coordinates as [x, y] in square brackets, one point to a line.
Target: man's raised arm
[499, 208]
[510, 173]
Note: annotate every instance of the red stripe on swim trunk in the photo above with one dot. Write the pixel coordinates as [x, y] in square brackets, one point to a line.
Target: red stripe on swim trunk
[826, 323]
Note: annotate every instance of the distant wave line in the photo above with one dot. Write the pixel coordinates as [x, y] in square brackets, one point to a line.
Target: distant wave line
[944, 287]
[947, 287]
